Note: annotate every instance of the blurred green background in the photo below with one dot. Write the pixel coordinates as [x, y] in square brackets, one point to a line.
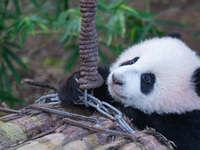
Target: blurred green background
[39, 39]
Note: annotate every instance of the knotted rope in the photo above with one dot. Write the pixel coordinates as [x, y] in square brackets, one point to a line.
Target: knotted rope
[88, 45]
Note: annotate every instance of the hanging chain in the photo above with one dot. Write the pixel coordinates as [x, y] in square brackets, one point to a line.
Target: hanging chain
[103, 107]
[108, 110]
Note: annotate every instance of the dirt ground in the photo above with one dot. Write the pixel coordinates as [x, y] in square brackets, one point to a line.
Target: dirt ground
[37, 49]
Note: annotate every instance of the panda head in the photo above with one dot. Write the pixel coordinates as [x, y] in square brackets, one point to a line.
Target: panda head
[159, 75]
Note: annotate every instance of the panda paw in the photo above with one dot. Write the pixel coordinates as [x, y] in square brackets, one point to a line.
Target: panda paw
[69, 91]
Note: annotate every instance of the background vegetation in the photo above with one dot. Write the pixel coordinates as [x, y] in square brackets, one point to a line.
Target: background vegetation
[36, 35]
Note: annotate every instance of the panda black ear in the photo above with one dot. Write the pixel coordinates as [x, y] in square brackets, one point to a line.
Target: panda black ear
[176, 35]
[196, 80]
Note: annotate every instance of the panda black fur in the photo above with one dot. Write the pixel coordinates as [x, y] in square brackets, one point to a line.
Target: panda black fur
[157, 84]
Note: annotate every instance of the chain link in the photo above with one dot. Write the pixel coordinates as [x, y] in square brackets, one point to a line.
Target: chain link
[89, 100]
[102, 107]
[54, 99]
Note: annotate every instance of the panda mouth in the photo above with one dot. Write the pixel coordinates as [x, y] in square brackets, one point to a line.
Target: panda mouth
[115, 92]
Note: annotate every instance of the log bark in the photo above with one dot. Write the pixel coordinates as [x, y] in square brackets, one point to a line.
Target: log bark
[36, 130]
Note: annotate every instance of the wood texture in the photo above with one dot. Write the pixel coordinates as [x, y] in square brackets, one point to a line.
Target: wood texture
[36, 130]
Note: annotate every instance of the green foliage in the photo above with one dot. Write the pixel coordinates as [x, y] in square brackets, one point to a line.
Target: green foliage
[123, 23]
[12, 25]
[118, 26]
[10, 98]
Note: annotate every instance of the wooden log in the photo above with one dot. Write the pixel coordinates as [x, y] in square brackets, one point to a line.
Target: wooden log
[39, 130]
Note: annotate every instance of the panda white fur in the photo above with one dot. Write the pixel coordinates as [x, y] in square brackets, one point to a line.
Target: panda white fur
[157, 84]
[155, 76]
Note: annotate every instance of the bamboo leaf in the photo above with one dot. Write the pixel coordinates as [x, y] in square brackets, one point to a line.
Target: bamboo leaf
[66, 5]
[99, 21]
[35, 4]
[112, 28]
[36, 18]
[7, 13]
[16, 59]
[118, 5]
[13, 45]
[145, 31]
[70, 47]
[42, 26]
[69, 39]
[121, 22]
[27, 21]
[2, 25]
[103, 57]
[138, 14]
[26, 31]
[61, 20]
[72, 59]
[20, 26]
[168, 23]
[71, 26]
[118, 50]
[103, 5]
[5, 77]
[16, 6]
[32, 31]
[75, 11]
[9, 29]
[5, 96]
[132, 35]
[66, 32]
[12, 68]
[109, 38]
[58, 8]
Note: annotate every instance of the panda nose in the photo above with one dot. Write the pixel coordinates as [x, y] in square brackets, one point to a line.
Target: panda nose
[116, 81]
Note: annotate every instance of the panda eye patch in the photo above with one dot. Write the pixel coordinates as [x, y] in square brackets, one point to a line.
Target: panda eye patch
[130, 62]
[147, 82]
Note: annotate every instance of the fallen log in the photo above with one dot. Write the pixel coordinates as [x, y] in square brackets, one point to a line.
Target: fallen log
[35, 129]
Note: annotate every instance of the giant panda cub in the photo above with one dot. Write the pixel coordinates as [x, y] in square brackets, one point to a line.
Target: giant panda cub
[157, 84]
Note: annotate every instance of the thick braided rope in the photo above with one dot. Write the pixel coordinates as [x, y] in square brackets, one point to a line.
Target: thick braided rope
[88, 45]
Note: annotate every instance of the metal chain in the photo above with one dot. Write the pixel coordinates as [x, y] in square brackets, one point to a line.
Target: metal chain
[102, 107]
[54, 99]
[63, 113]
[90, 78]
